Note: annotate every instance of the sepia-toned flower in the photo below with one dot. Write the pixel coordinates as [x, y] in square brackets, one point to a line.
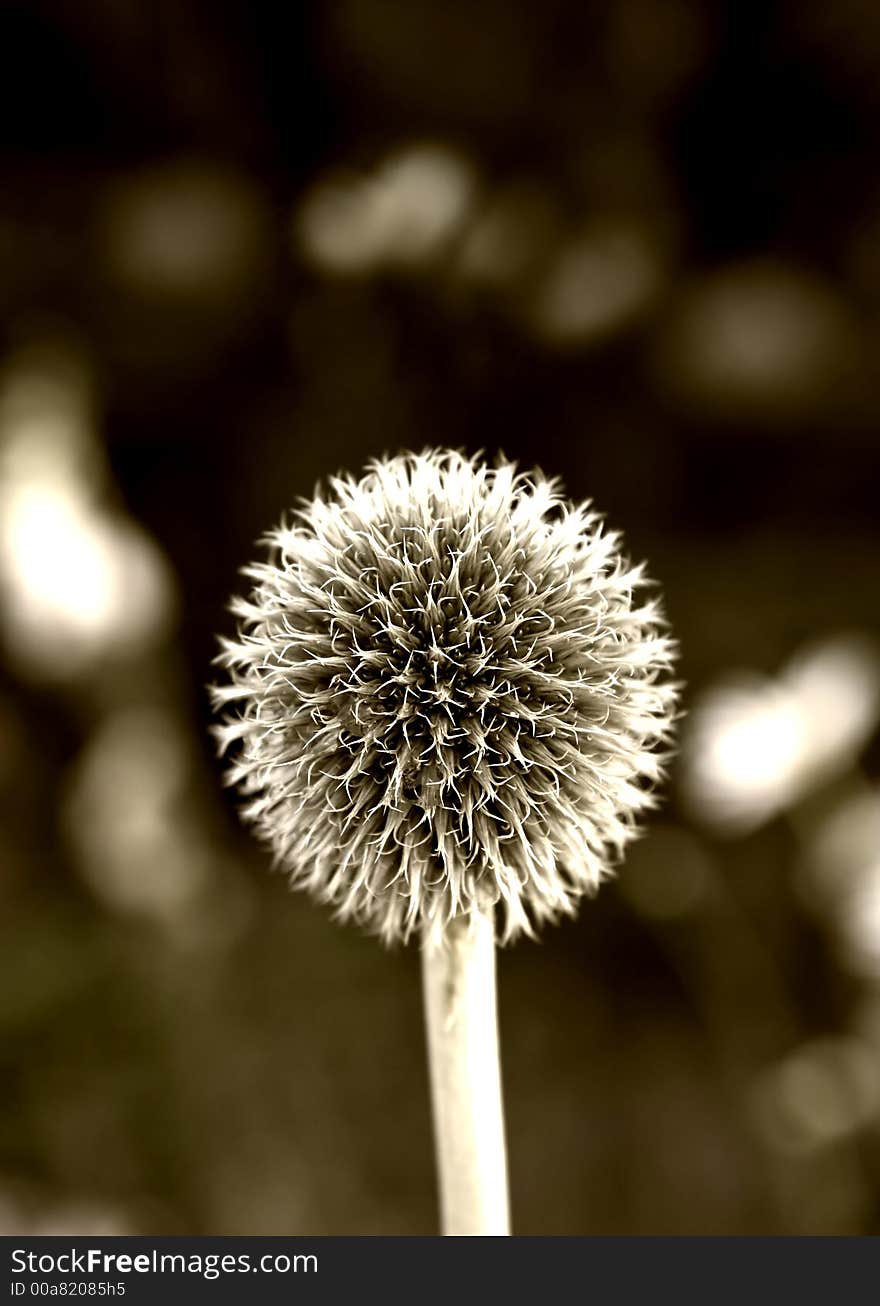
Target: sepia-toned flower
[448, 688]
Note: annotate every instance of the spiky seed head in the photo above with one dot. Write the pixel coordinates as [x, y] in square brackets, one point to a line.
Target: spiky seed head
[447, 689]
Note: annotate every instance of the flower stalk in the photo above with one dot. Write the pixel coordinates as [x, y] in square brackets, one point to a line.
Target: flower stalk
[447, 707]
[461, 1022]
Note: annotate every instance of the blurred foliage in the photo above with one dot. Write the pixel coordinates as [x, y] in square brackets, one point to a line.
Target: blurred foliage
[240, 248]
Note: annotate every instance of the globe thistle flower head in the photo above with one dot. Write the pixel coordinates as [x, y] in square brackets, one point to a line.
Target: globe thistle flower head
[447, 689]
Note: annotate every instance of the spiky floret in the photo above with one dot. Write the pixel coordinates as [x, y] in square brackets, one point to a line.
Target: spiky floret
[444, 691]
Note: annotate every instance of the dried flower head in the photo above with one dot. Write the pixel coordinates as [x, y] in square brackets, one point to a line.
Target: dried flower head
[444, 692]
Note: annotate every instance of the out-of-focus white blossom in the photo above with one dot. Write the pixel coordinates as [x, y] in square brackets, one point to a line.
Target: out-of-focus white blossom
[836, 686]
[839, 877]
[823, 1092]
[184, 230]
[24, 1217]
[756, 745]
[508, 236]
[599, 281]
[842, 847]
[741, 753]
[858, 923]
[402, 214]
[126, 816]
[80, 582]
[758, 339]
[139, 837]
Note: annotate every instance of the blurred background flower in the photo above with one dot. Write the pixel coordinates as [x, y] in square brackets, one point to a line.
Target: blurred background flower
[239, 252]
